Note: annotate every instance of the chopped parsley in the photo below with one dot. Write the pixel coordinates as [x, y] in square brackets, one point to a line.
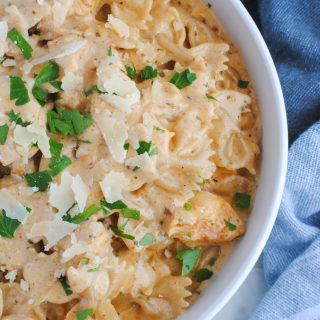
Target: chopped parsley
[183, 79]
[243, 84]
[131, 213]
[48, 74]
[81, 217]
[2, 59]
[136, 168]
[243, 200]
[15, 36]
[93, 269]
[121, 233]
[147, 240]
[65, 285]
[188, 206]
[189, 258]
[110, 52]
[18, 91]
[113, 206]
[15, 117]
[84, 314]
[149, 73]
[145, 147]
[4, 130]
[203, 274]
[131, 72]
[39, 180]
[8, 226]
[68, 122]
[126, 146]
[158, 129]
[230, 225]
[83, 261]
[211, 97]
[58, 162]
[94, 89]
[212, 262]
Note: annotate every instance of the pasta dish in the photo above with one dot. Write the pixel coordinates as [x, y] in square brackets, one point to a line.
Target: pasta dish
[129, 156]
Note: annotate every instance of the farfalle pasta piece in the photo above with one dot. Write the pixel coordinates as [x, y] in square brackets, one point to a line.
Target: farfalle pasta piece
[210, 221]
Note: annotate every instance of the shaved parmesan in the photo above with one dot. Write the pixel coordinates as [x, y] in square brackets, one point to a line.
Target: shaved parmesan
[66, 50]
[3, 30]
[24, 285]
[115, 134]
[71, 82]
[9, 63]
[112, 186]
[53, 231]
[71, 190]
[81, 192]
[13, 208]
[11, 276]
[121, 28]
[75, 250]
[32, 134]
[122, 92]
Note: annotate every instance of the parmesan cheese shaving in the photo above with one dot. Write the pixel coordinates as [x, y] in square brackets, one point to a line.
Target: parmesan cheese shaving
[115, 134]
[11, 276]
[112, 186]
[53, 231]
[75, 250]
[81, 192]
[66, 50]
[13, 208]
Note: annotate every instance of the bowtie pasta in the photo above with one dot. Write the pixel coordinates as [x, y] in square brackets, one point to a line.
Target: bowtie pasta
[129, 156]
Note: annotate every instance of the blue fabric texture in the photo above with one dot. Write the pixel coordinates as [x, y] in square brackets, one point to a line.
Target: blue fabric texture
[291, 258]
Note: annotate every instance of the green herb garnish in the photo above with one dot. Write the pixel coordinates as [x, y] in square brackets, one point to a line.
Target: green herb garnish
[146, 240]
[126, 146]
[92, 89]
[93, 269]
[243, 84]
[39, 180]
[188, 206]
[159, 129]
[131, 72]
[81, 217]
[58, 162]
[4, 130]
[189, 258]
[15, 36]
[68, 122]
[121, 233]
[65, 285]
[15, 117]
[209, 96]
[110, 52]
[131, 213]
[230, 225]
[212, 262]
[243, 200]
[203, 274]
[18, 91]
[2, 59]
[84, 314]
[8, 226]
[183, 79]
[149, 73]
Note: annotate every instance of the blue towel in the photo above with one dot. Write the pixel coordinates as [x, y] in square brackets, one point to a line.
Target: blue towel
[291, 258]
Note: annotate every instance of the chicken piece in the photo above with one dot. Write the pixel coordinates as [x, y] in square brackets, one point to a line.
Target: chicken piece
[210, 221]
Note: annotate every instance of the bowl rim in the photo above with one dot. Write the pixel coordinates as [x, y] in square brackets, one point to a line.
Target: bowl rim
[250, 260]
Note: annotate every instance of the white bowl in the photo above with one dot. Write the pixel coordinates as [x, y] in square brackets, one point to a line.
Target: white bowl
[243, 31]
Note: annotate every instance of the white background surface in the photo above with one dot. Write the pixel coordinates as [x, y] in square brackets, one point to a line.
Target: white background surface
[247, 298]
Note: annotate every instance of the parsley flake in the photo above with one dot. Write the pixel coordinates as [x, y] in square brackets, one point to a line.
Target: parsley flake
[8, 226]
[18, 91]
[183, 79]
[188, 206]
[39, 180]
[82, 217]
[203, 274]
[83, 261]
[147, 240]
[211, 97]
[110, 52]
[131, 213]
[243, 200]
[230, 225]
[58, 162]
[93, 269]
[4, 130]
[126, 146]
[84, 314]
[158, 129]
[189, 258]
[121, 233]
[16, 37]
[65, 285]
[68, 122]
[212, 262]
[131, 72]
[149, 73]
[2, 59]
[15, 117]
[243, 84]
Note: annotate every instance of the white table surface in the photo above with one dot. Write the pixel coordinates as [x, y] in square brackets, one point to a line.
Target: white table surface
[247, 298]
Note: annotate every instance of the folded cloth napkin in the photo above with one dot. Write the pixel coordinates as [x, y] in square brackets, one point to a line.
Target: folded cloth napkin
[291, 258]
